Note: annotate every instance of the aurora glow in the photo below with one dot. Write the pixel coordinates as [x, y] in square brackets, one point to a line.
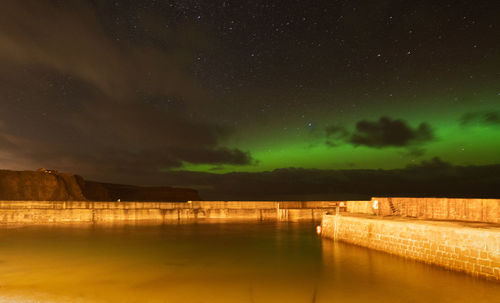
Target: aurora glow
[300, 146]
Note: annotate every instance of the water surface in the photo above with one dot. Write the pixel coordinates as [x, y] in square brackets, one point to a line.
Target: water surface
[214, 262]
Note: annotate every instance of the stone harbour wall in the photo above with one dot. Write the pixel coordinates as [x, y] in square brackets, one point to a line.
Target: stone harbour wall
[25, 212]
[359, 207]
[479, 210]
[472, 250]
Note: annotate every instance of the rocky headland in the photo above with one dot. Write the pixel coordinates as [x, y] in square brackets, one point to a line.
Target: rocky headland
[50, 185]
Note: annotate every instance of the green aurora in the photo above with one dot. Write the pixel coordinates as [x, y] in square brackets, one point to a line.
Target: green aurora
[303, 143]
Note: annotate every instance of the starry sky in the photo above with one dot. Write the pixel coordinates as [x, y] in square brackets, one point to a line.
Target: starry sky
[235, 97]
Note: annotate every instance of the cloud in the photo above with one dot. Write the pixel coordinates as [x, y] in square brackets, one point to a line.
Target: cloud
[385, 132]
[433, 164]
[414, 151]
[69, 38]
[388, 132]
[113, 137]
[334, 134]
[483, 118]
[433, 177]
[73, 98]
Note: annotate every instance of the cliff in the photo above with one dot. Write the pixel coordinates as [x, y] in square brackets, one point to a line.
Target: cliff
[97, 191]
[40, 185]
[47, 185]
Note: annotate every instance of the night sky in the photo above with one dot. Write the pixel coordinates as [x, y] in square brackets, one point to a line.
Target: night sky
[255, 99]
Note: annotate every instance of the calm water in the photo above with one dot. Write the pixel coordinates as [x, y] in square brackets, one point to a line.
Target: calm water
[209, 262]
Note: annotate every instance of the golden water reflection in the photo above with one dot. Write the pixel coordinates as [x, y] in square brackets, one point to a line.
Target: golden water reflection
[204, 262]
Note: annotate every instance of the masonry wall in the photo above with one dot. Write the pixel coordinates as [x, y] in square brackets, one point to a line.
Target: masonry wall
[359, 207]
[60, 211]
[480, 210]
[472, 250]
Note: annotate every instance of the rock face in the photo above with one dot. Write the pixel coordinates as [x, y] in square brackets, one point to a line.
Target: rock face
[97, 191]
[40, 186]
[49, 185]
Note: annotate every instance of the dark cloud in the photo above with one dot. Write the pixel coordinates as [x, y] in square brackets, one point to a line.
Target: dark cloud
[69, 38]
[414, 151]
[334, 134]
[433, 177]
[112, 138]
[388, 132]
[484, 118]
[76, 98]
[433, 164]
[385, 132]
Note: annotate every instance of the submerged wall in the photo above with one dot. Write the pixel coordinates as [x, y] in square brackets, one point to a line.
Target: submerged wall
[468, 249]
[70, 211]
